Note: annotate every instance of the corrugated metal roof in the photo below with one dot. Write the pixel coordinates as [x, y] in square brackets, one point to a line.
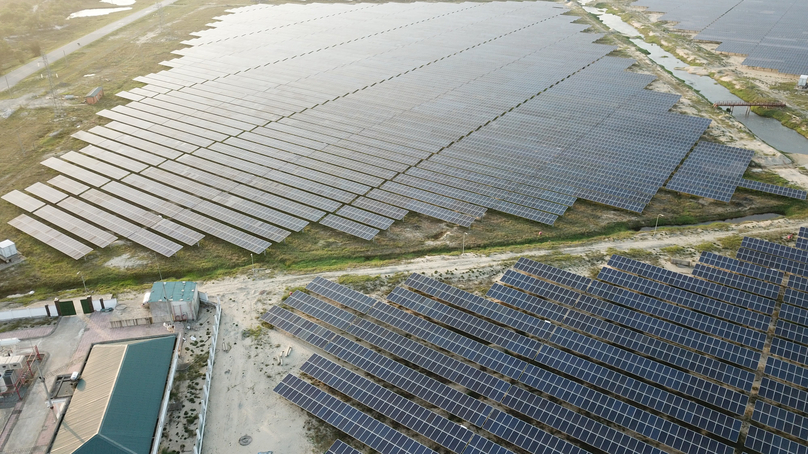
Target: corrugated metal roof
[173, 291]
[117, 403]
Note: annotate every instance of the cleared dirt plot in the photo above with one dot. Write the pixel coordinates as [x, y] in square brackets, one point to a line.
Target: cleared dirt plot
[351, 116]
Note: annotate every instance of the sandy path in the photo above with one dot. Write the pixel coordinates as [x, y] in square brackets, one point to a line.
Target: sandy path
[242, 401]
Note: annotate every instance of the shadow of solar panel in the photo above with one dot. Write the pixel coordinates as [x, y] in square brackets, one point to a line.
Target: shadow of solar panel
[51, 237]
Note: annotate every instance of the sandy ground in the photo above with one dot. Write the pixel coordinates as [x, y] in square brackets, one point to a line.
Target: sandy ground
[242, 401]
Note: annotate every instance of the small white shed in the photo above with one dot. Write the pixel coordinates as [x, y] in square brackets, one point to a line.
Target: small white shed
[7, 250]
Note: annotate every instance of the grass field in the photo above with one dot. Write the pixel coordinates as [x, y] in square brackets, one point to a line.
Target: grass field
[30, 135]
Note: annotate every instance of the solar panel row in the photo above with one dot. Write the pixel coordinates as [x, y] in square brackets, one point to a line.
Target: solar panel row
[712, 290]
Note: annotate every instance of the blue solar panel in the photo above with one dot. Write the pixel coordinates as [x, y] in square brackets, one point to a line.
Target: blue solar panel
[779, 250]
[552, 273]
[440, 430]
[789, 350]
[768, 443]
[797, 333]
[798, 282]
[426, 388]
[786, 371]
[305, 330]
[780, 419]
[794, 314]
[783, 394]
[795, 297]
[348, 419]
[737, 266]
[771, 261]
[596, 327]
[339, 447]
[341, 294]
[745, 283]
[743, 317]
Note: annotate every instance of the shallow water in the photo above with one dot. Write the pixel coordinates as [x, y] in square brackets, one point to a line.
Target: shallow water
[769, 130]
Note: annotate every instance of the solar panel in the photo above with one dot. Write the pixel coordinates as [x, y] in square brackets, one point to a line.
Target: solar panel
[53, 238]
[789, 350]
[436, 428]
[676, 314]
[710, 289]
[71, 186]
[768, 443]
[781, 393]
[22, 200]
[346, 418]
[743, 317]
[124, 228]
[738, 281]
[143, 217]
[91, 178]
[380, 208]
[76, 226]
[95, 165]
[46, 192]
[779, 250]
[365, 217]
[739, 267]
[350, 227]
[772, 261]
[772, 189]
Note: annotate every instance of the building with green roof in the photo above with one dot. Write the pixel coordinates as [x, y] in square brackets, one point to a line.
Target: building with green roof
[116, 405]
[178, 299]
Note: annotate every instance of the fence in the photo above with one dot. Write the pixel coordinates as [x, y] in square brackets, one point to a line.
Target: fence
[203, 412]
[166, 397]
[49, 310]
[131, 322]
[28, 312]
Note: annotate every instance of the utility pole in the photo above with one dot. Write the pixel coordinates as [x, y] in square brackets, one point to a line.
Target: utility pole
[57, 105]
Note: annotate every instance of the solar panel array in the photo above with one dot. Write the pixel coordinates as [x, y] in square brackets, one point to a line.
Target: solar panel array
[353, 115]
[711, 170]
[653, 361]
[772, 34]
